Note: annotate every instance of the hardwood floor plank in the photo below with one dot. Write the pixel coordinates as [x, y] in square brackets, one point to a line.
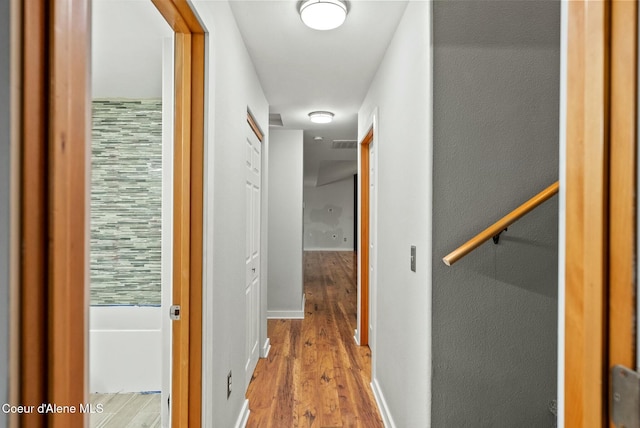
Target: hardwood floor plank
[315, 375]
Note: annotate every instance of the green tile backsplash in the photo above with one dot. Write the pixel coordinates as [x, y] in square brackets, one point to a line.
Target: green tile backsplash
[126, 189]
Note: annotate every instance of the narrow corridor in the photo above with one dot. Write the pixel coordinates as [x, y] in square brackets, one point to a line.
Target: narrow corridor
[315, 374]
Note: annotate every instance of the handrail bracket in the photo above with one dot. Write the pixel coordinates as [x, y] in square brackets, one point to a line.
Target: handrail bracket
[496, 238]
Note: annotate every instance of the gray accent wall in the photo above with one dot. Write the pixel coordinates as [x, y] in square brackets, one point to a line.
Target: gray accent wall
[126, 197]
[496, 120]
[5, 197]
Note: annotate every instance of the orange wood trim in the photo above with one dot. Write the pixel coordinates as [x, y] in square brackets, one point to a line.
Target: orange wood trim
[69, 136]
[181, 230]
[500, 225]
[586, 214]
[622, 187]
[15, 209]
[186, 391]
[574, 275]
[197, 211]
[179, 15]
[254, 126]
[364, 238]
[596, 147]
[34, 210]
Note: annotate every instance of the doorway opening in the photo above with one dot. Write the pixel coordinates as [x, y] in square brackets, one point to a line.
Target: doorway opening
[54, 174]
[365, 237]
[131, 212]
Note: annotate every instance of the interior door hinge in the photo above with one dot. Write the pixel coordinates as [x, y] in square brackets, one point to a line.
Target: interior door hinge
[625, 397]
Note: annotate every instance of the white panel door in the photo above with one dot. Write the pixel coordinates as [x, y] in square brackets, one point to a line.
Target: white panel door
[253, 164]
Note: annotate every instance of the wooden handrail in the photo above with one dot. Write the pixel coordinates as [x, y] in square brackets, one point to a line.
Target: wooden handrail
[499, 226]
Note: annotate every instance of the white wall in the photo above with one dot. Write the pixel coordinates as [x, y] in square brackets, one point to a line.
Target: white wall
[402, 347]
[285, 298]
[125, 349]
[126, 43]
[5, 198]
[328, 216]
[232, 86]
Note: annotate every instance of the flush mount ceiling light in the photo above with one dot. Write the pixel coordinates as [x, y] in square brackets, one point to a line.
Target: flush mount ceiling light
[321, 116]
[323, 14]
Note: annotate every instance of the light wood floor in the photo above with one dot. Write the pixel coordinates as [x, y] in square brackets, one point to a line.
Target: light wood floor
[126, 410]
[315, 374]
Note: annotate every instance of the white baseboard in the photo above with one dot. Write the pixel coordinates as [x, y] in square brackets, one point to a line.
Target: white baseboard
[243, 417]
[382, 405]
[356, 337]
[265, 348]
[288, 315]
[330, 249]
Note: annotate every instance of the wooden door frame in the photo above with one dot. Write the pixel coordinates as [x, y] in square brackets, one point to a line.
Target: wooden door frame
[189, 69]
[365, 212]
[53, 142]
[53, 193]
[600, 206]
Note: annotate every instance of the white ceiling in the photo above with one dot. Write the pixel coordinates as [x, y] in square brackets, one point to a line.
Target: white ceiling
[302, 70]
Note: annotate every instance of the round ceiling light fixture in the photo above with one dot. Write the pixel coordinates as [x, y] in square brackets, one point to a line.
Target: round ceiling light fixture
[321, 116]
[323, 14]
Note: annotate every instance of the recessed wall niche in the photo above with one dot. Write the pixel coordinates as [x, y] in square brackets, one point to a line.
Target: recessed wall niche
[126, 189]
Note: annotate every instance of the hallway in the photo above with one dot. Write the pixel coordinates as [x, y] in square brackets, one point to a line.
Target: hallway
[315, 374]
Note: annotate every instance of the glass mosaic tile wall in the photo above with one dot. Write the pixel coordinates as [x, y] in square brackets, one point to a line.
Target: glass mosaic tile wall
[126, 189]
